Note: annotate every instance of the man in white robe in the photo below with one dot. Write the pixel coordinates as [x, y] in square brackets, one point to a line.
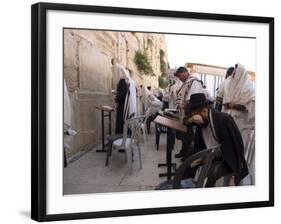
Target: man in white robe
[239, 98]
[118, 72]
[220, 91]
[239, 102]
[130, 108]
[173, 87]
[190, 85]
[119, 89]
[151, 102]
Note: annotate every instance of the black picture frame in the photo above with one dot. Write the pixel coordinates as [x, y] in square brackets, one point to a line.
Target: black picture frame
[39, 108]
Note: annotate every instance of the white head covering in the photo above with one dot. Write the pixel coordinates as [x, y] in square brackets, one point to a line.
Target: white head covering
[118, 72]
[131, 97]
[66, 105]
[239, 89]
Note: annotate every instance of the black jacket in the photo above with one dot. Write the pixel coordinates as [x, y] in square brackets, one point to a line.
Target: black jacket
[122, 89]
[232, 147]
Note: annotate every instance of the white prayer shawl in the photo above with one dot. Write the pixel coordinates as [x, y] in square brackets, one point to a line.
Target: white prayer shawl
[152, 104]
[220, 91]
[66, 105]
[131, 98]
[239, 90]
[173, 95]
[118, 72]
[145, 93]
[191, 86]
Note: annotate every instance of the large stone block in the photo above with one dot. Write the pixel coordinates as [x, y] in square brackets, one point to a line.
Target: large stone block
[87, 120]
[87, 71]
[94, 69]
[70, 60]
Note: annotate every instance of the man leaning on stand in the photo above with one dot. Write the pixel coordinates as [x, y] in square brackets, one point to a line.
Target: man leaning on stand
[215, 128]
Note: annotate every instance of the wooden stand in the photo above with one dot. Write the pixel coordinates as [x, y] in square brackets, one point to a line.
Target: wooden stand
[160, 129]
[171, 124]
[104, 109]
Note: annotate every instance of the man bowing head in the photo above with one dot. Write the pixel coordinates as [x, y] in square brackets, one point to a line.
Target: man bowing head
[215, 128]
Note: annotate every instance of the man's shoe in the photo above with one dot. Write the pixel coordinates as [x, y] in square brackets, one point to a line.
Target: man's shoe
[179, 155]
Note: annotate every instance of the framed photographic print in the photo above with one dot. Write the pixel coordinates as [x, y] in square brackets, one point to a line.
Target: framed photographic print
[140, 111]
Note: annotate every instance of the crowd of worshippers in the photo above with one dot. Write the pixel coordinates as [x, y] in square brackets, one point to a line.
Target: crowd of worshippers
[224, 121]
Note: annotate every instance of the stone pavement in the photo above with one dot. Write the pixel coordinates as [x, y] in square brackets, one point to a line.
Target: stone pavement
[88, 174]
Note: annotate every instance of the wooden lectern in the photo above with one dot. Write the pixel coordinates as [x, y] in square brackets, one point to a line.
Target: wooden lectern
[171, 124]
[104, 109]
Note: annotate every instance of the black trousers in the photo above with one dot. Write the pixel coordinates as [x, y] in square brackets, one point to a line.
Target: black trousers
[149, 120]
[186, 139]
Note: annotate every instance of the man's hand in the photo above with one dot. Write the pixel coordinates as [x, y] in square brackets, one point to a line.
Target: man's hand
[197, 119]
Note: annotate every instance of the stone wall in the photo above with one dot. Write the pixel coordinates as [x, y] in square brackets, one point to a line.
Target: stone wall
[87, 71]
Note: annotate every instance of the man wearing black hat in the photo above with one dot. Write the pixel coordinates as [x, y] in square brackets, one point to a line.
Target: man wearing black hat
[216, 128]
[190, 86]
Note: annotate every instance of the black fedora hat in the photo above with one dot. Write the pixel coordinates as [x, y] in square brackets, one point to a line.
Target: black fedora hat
[197, 100]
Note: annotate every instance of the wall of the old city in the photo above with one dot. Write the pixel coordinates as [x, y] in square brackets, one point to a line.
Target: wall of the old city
[87, 72]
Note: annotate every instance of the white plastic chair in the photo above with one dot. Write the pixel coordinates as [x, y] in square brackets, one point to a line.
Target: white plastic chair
[144, 125]
[129, 143]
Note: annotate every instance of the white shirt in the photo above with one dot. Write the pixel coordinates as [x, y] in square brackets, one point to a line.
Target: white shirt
[208, 135]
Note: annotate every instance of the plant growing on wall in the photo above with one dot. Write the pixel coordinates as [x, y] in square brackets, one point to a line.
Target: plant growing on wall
[163, 66]
[142, 63]
[162, 80]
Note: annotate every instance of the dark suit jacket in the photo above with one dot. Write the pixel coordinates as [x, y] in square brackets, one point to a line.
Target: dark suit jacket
[122, 89]
[232, 147]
